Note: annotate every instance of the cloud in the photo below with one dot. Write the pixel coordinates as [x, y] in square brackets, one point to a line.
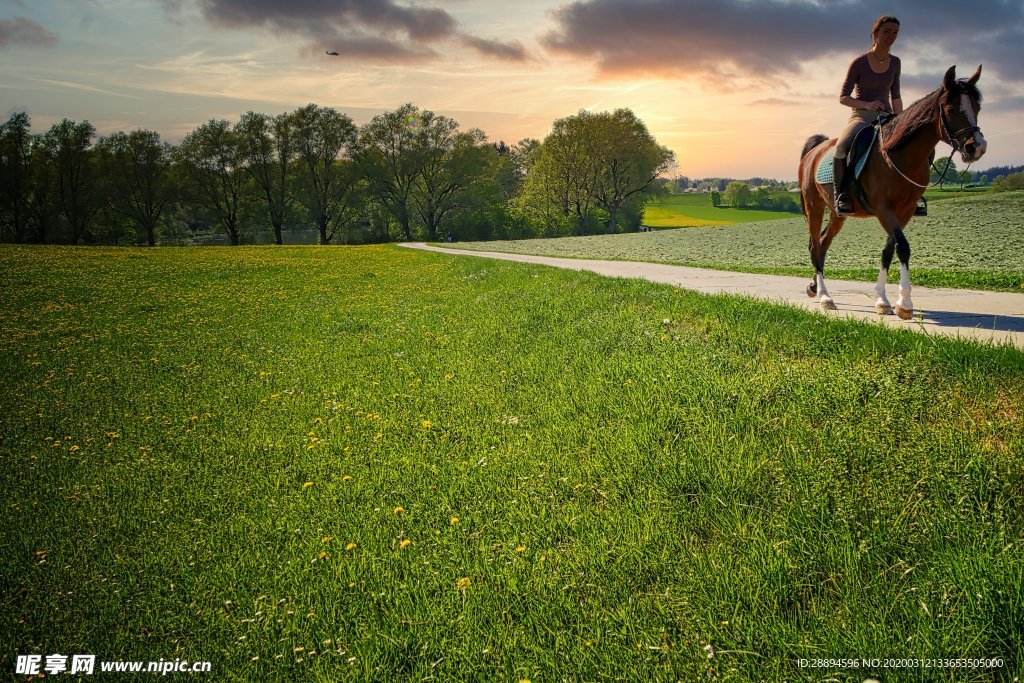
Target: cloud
[513, 52]
[731, 42]
[377, 30]
[315, 17]
[21, 31]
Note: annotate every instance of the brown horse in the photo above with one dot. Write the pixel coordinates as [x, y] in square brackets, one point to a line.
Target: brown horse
[894, 178]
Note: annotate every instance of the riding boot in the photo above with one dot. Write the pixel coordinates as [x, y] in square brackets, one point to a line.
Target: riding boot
[844, 207]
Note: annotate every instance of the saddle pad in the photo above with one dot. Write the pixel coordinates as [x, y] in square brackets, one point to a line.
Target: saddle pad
[824, 174]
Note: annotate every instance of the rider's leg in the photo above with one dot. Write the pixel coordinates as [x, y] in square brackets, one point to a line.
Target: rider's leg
[858, 122]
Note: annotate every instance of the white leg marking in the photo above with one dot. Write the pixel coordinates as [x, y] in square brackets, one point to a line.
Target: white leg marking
[825, 300]
[904, 306]
[882, 305]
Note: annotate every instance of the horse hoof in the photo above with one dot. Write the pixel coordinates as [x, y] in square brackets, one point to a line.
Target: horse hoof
[812, 290]
[882, 309]
[905, 313]
[827, 304]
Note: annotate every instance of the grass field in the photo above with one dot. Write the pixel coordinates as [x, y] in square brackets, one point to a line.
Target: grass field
[369, 463]
[695, 210]
[967, 242]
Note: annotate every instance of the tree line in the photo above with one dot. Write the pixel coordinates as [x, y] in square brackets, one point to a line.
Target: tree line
[406, 174]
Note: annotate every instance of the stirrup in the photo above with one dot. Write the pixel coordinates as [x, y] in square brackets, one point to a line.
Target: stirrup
[844, 208]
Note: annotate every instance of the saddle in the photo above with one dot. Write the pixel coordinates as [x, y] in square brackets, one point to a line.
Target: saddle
[856, 160]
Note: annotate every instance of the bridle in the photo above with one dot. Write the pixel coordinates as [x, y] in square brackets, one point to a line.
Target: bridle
[952, 139]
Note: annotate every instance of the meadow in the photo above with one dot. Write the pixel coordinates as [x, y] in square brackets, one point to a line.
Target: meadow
[973, 241]
[691, 210]
[370, 463]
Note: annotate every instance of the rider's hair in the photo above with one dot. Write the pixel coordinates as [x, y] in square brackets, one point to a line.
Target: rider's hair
[881, 21]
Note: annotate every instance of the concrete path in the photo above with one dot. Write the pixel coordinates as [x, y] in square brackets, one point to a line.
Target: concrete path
[987, 316]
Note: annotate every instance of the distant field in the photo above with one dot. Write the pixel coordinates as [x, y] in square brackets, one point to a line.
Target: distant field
[970, 242]
[695, 210]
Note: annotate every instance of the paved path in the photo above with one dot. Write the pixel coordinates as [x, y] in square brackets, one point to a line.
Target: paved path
[987, 316]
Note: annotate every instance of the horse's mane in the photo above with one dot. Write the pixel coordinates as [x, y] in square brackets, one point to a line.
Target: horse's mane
[902, 127]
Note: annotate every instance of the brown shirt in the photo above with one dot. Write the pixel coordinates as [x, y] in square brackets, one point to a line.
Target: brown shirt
[869, 84]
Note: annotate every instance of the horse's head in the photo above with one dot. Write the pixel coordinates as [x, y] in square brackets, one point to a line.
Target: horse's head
[958, 110]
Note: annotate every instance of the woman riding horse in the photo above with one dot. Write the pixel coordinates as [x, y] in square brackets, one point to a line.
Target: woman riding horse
[894, 178]
[874, 77]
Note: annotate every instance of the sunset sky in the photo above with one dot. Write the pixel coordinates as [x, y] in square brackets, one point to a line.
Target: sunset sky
[733, 87]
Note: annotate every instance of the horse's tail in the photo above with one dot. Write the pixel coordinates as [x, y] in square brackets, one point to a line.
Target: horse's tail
[812, 142]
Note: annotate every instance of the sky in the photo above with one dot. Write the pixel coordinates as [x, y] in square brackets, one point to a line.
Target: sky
[733, 87]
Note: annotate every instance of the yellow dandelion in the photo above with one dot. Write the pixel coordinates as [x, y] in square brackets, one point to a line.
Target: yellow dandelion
[399, 510]
[346, 478]
[307, 484]
[322, 555]
[427, 424]
[463, 583]
[350, 547]
[520, 548]
[405, 543]
[328, 539]
[454, 521]
[74, 449]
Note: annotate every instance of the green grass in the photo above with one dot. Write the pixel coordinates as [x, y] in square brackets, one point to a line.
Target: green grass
[690, 210]
[969, 242]
[218, 454]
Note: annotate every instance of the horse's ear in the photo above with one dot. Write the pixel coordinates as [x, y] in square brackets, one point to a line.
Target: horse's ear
[977, 74]
[950, 80]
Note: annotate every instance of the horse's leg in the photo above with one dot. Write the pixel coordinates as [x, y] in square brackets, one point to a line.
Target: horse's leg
[904, 306]
[815, 214]
[828, 233]
[882, 305]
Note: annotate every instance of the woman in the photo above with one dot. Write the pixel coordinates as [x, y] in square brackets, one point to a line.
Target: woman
[874, 79]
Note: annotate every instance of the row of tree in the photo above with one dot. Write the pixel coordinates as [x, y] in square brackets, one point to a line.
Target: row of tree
[405, 174]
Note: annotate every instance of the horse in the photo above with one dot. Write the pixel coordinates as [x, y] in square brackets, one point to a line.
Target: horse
[893, 180]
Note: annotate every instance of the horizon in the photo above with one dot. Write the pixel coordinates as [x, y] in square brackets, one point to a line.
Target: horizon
[733, 88]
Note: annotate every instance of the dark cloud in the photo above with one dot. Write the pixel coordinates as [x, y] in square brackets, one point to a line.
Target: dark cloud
[513, 52]
[315, 16]
[732, 41]
[381, 30]
[21, 31]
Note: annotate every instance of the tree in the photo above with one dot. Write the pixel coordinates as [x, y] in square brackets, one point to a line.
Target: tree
[327, 182]
[944, 171]
[137, 167]
[593, 167]
[389, 156]
[451, 162]
[68, 149]
[211, 160]
[737, 194]
[268, 147]
[627, 161]
[42, 202]
[15, 177]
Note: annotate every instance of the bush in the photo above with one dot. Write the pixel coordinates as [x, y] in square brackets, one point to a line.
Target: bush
[1014, 181]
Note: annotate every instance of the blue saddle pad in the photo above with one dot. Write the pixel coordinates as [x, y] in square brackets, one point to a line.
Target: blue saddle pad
[860, 151]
